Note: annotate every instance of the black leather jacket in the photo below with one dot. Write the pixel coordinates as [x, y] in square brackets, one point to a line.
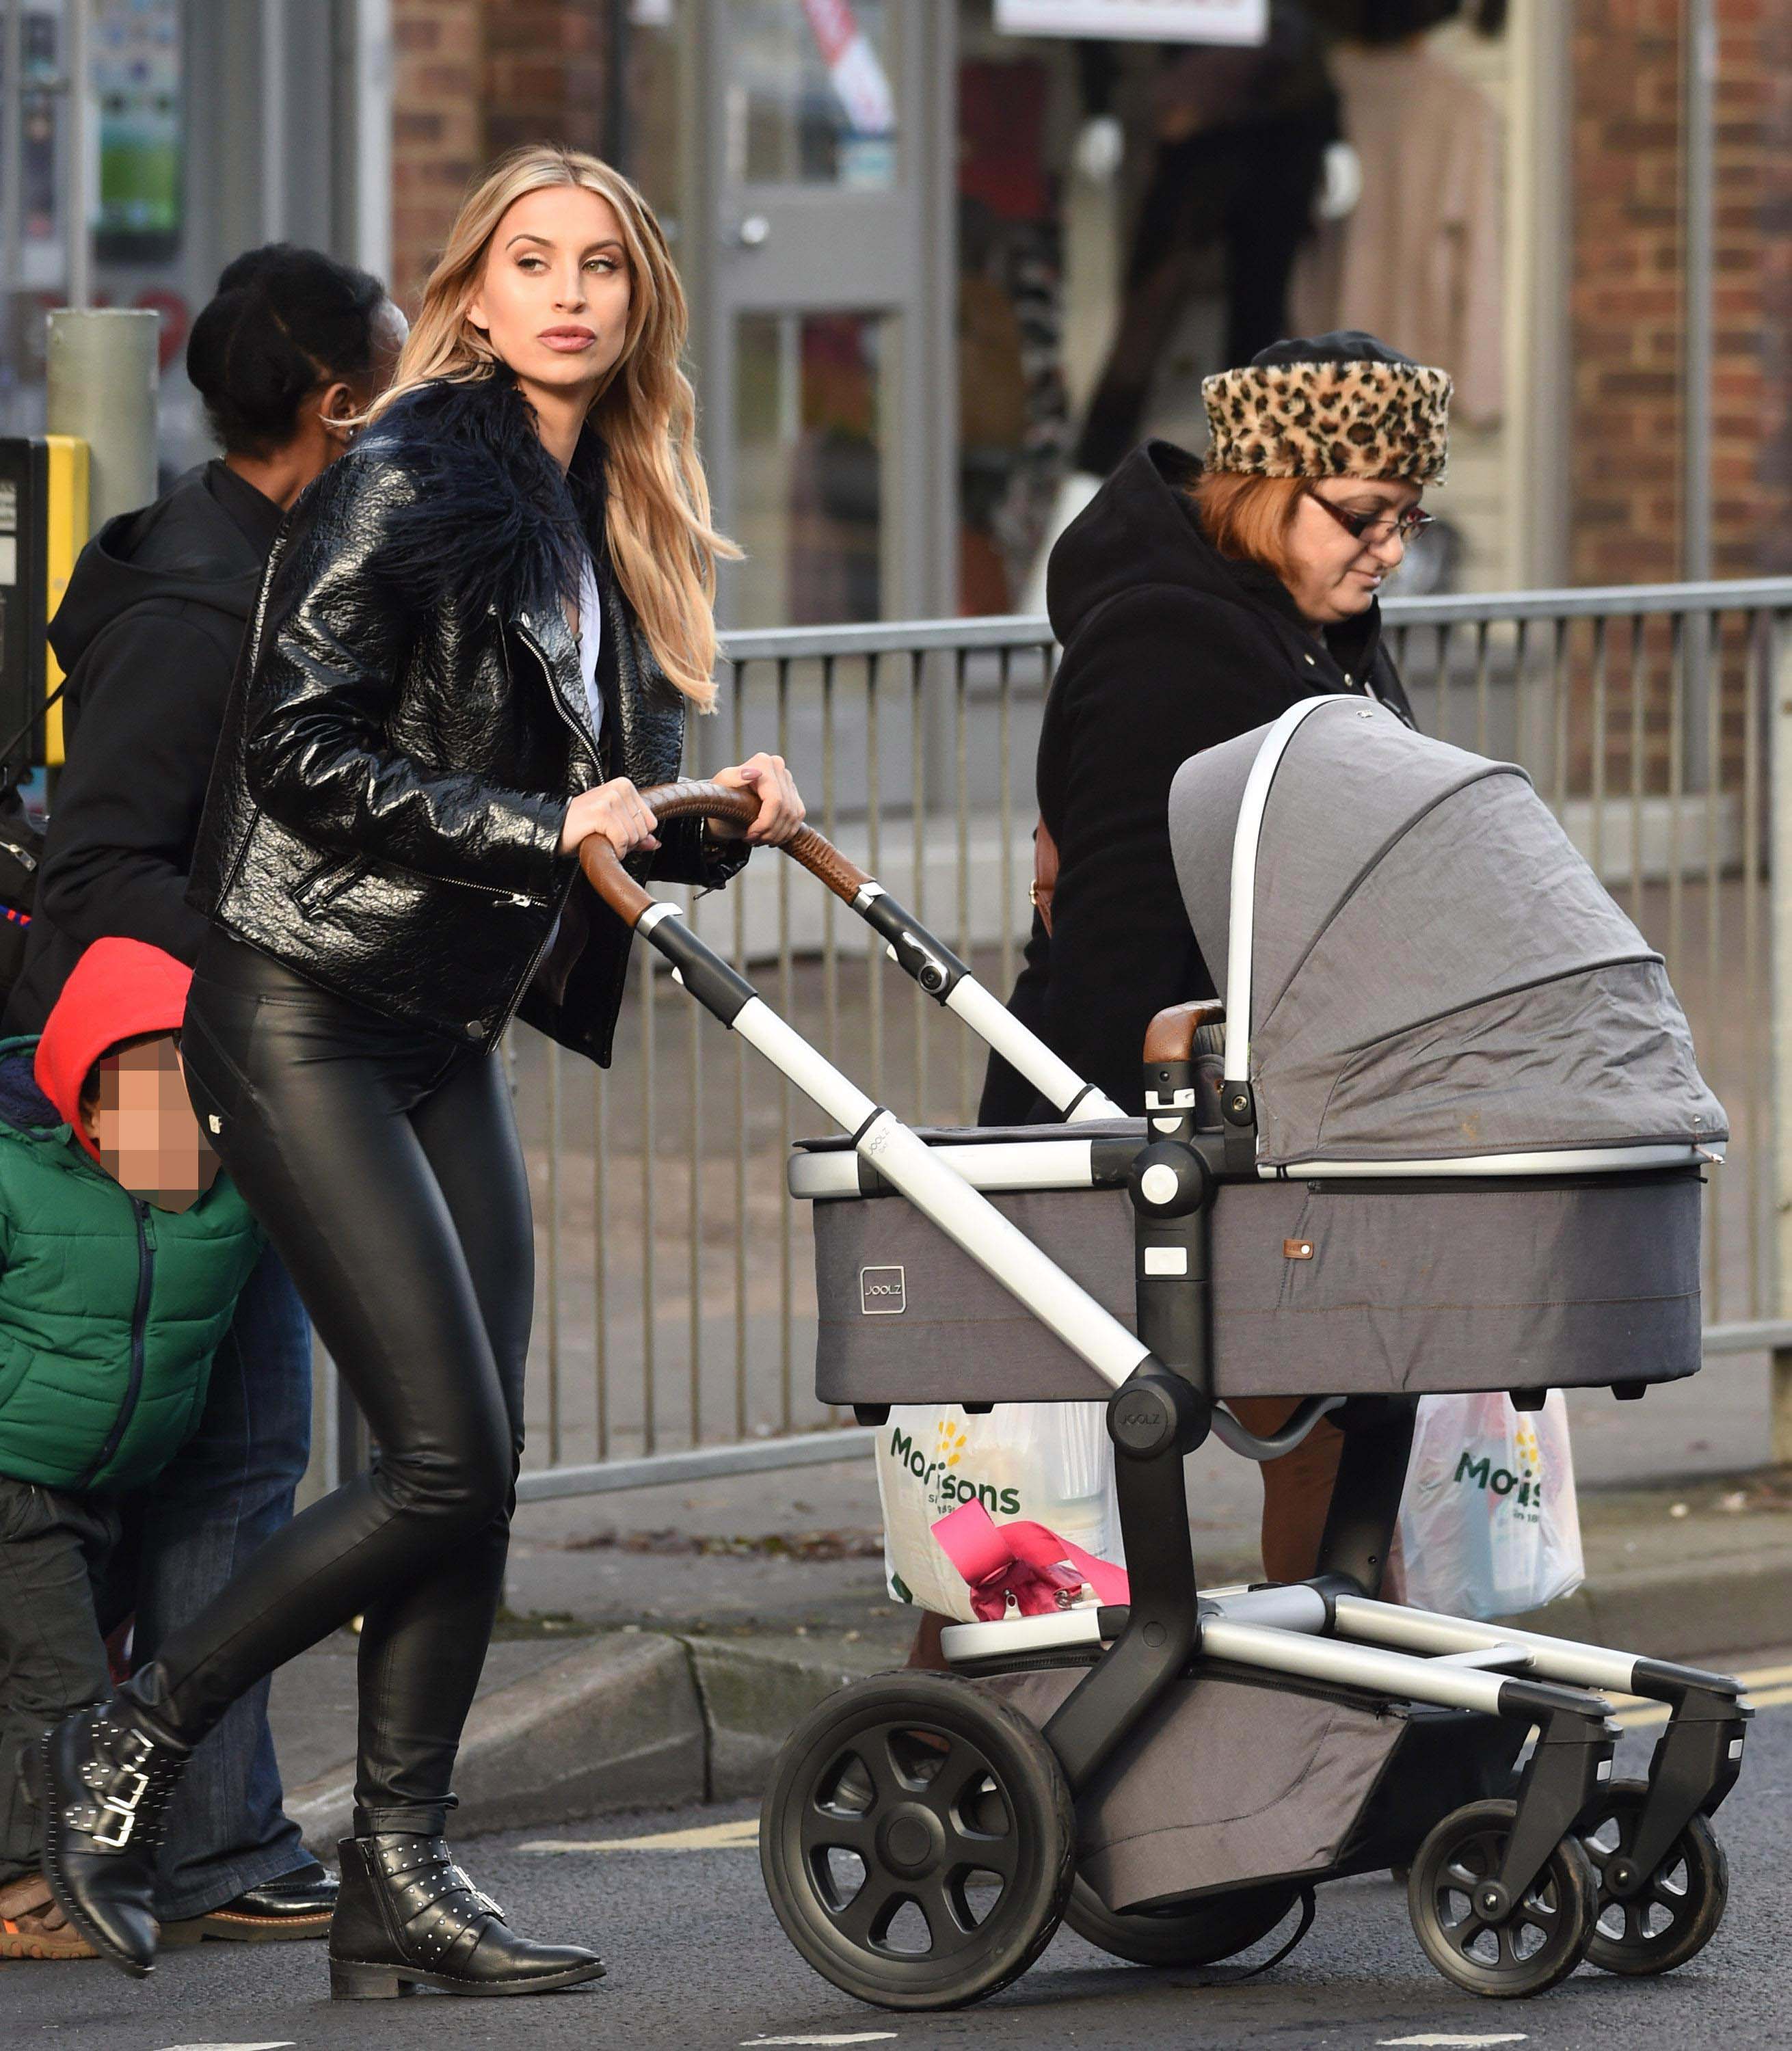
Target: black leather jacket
[408, 725]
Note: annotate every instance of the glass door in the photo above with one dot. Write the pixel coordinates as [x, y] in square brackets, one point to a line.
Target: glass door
[825, 335]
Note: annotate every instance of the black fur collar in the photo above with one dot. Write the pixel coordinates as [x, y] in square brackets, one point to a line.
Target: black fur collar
[496, 522]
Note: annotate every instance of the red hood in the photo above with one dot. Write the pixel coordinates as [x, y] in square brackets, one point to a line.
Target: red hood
[120, 990]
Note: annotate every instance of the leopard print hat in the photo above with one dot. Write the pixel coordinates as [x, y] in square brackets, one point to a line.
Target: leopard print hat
[1337, 405]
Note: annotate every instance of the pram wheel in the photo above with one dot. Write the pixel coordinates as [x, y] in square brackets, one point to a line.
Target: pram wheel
[1677, 1914]
[1539, 1941]
[917, 1841]
[1201, 1934]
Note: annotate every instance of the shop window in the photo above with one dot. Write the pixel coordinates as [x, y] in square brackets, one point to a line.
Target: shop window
[811, 93]
[1134, 216]
[810, 408]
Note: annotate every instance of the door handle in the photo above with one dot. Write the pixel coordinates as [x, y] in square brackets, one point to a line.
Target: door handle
[754, 231]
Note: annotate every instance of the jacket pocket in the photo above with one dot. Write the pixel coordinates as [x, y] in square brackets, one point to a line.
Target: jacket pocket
[319, 888]
[15, 1365]
[24, 1513]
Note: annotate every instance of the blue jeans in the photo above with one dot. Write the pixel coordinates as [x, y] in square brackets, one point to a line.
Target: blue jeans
[226, 1491]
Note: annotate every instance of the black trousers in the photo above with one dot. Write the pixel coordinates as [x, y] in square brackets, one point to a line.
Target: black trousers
[60, 1595]
[383, 1159]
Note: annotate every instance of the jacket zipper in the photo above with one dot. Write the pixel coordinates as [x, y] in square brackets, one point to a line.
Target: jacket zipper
[359, 864]
[139, 1329]
[540, 655]
[461, 883]
[498, 1031]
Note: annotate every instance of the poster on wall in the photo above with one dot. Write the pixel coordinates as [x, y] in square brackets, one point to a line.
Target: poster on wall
[1149, 21]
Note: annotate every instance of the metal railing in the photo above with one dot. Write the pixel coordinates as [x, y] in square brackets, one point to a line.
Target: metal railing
[675, 1325]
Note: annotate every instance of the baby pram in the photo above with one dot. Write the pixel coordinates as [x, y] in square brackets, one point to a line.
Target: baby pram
[1455, 1142]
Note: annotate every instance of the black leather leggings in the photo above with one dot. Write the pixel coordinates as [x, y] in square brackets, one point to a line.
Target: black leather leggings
[383, 1159]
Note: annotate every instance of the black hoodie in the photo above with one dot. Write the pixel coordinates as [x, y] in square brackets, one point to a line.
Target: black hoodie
[1168, 648]
[148, 633]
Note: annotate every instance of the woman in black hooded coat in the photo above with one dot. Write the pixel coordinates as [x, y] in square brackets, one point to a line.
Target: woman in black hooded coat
[1195, 603]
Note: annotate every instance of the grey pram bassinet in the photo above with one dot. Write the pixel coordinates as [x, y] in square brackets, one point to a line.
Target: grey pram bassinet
[1476, 1122]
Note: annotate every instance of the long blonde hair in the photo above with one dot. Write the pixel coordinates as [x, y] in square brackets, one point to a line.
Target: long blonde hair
[657, 519]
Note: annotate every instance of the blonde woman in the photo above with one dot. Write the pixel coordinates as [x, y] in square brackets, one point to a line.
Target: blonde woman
[478, 634]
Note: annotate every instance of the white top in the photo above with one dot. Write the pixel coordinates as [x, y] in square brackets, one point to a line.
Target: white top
[591, 640]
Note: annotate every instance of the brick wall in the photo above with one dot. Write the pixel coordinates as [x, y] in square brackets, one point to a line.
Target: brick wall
[1627, 302]
[1775, 459]
[438, 140]
[545, 72]
[475, 78]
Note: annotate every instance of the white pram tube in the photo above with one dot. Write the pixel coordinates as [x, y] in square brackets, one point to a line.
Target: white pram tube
[948, 981]
[968, 1218]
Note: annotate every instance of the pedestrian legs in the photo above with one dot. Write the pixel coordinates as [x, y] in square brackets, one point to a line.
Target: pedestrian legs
[226, 1491]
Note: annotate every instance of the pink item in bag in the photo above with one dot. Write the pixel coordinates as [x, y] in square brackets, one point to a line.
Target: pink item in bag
[1040, 1571]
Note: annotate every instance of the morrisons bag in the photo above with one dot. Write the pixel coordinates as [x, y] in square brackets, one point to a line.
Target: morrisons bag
[1488, 1525]
[1048, 1463]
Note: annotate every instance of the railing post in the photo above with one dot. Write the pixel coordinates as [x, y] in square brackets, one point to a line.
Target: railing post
[1779, 884]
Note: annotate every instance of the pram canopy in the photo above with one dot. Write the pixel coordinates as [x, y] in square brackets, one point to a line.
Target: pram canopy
[1417, 963]
[1479, 1126]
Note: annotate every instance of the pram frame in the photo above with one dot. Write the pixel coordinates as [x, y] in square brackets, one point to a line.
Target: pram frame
[1333, 1629]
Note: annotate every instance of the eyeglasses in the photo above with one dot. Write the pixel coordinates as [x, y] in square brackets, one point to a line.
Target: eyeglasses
[1375, 528]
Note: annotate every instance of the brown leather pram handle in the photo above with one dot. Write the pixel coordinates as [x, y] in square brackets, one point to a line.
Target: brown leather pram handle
[1170, 1035]
[692, 798]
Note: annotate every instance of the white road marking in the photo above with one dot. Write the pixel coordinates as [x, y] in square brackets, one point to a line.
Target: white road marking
[1466, 2043]
[858, 2036]
[742, 1834]
[285, 2044]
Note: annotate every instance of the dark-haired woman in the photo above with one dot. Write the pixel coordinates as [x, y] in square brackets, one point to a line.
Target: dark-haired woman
[1193, 603]
[292, 348]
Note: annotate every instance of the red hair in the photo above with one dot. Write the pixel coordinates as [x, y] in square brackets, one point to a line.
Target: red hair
[1249, 519]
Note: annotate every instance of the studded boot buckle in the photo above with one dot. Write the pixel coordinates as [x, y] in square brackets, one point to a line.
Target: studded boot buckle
[480, 1898]
[116, 1836]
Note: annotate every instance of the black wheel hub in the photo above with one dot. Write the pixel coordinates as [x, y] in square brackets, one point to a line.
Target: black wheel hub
[1480, 1933]
[910, 1841]
[918, 1841]
[920, 1812]
[1651, 1922]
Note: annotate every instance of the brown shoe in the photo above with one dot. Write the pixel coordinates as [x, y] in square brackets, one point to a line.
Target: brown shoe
[32, 1925]
[298, 1904]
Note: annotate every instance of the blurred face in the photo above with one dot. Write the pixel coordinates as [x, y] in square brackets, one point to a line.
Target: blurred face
[1334, 575]
[143, 1125]
[553, 298]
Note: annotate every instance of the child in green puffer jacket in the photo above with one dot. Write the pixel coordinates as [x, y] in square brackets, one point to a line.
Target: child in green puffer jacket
[122, 1251]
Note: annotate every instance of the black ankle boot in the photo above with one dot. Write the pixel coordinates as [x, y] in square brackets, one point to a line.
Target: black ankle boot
[101, 1779]
[408, 1917]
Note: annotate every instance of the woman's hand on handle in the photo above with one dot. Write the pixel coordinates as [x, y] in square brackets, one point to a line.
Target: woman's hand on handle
[615, 811]
[781, 808]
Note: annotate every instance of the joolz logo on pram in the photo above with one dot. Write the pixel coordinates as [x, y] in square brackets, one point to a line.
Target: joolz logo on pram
[883, 1291]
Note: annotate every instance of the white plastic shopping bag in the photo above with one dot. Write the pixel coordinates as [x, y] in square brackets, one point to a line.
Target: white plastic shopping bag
[1049, 1463]
[1488, 1525]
